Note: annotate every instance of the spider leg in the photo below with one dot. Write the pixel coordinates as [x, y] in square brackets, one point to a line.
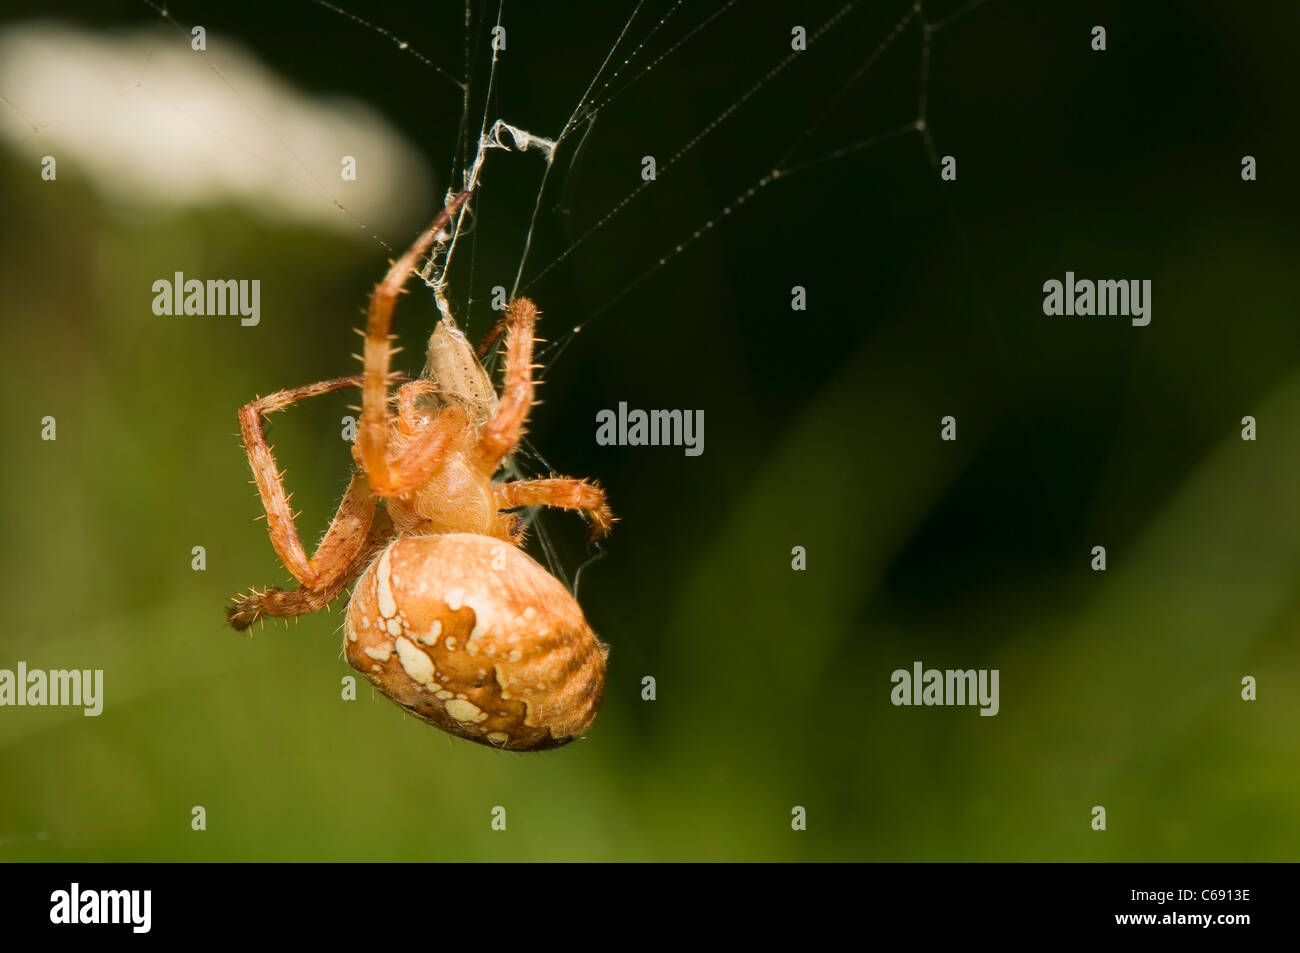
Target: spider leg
[411, 462]
[252, 606]
[408, 410]
[421, 441]
[348, 529]
[490, 338]
[374, 429]
[562, 492]
[500, 434]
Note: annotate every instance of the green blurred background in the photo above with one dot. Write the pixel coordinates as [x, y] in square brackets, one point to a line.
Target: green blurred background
[1119, 689]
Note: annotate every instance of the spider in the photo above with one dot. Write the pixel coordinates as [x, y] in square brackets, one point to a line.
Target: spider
[448, 617]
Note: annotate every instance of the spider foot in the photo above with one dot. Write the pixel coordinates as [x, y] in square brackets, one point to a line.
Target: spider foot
[245, 609]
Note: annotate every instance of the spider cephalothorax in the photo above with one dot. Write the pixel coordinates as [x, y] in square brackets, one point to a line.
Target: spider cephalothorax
[448, 618]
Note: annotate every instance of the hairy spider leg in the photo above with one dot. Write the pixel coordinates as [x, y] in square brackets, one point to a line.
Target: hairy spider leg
[562, 493]
[252, 606]
[375, 428]
[501, 434]
[347, 531]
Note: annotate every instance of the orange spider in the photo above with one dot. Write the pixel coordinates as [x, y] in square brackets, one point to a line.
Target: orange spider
[449, 618]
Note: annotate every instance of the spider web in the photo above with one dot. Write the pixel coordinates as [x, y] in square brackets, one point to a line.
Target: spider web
[646, 44]
[861, 82]
[649, 40]
[631, 60]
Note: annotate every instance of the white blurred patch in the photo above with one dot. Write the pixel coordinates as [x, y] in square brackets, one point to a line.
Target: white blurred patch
[150, 122]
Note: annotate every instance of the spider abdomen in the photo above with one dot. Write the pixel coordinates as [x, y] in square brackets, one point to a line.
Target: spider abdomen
[470, 634]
